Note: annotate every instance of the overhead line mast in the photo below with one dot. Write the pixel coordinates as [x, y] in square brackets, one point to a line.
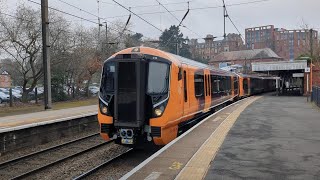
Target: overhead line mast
[46, 55]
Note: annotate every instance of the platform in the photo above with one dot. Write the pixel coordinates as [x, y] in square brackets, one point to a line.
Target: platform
[266, 137]
[10, 123]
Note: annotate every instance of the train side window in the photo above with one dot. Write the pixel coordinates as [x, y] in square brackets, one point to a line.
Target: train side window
[236, 84]
[209, 85]
[206, 83]
[229, 84]
[180, 74]
[221, 84]
[199, 85]
[214, 85]
[185, 86]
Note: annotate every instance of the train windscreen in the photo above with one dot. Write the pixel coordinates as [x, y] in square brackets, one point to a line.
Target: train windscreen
[107, 80]
[158, 77]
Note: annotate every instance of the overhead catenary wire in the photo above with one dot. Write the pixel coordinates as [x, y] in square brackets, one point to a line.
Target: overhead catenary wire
[80, 9]
[15, 17]
[81, 18]
[138, 16]
[184, 17]
[228, 16]
[58, 10]
[192, 9]
[177, 18]
[168, 10]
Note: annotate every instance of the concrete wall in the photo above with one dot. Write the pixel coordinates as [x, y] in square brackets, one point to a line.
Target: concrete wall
[13, 140]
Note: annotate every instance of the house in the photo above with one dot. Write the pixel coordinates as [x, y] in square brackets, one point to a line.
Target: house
[243, 59]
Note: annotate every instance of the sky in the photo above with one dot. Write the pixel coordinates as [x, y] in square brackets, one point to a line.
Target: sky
[288, 14]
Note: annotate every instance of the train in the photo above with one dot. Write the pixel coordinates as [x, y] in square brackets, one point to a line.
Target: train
[146, 94]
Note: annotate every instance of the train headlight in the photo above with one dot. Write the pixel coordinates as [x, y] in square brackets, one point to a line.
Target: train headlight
[104, 110]
[158, 111]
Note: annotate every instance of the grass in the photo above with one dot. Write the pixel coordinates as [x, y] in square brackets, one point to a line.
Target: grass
[29, 108]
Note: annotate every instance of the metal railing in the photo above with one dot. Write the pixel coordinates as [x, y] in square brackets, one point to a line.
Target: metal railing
[315, 95]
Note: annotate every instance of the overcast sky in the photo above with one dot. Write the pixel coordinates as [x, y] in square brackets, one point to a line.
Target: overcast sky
[289, 14]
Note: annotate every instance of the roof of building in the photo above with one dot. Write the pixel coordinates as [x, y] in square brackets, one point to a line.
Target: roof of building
[265, 53]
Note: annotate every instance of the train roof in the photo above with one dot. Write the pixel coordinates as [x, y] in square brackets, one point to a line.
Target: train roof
[178, 60]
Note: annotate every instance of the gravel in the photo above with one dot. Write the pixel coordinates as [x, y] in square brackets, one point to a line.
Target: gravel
[28, 150]
[80, 164]
[123, 165]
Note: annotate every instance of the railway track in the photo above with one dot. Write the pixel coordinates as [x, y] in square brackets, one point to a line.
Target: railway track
[119, 165]
[108, 162]
[29, 164]
[42, 162]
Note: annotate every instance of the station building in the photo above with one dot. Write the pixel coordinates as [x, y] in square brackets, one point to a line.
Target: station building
[295, 76]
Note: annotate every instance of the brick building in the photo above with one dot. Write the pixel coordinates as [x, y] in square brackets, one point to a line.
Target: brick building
[244, 58]
[316, 74]
[288, 44]
[210, 48]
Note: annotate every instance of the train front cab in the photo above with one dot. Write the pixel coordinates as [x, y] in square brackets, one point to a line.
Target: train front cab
[134, 99]
[132, 114]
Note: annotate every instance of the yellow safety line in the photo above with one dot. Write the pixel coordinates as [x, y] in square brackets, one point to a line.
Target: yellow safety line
[198, 166]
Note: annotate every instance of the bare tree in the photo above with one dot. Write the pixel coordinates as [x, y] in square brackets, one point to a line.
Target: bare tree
[21, 41]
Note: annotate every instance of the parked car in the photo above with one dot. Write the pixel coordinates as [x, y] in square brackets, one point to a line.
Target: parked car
[15, 93]
[94, 89]
[4, 97]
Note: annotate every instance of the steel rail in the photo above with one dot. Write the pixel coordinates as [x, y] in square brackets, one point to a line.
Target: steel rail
[60, 160]
[44, 150]
[95, 169]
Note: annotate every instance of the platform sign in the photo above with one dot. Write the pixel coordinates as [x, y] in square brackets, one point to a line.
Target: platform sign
[298, 75]
[307, 69]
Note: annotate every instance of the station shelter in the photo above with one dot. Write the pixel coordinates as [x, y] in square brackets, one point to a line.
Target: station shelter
[295, 77]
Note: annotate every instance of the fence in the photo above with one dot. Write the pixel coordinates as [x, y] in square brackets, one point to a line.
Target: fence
[315, 96]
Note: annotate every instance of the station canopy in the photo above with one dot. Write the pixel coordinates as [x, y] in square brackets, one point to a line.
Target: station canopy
[280, 65]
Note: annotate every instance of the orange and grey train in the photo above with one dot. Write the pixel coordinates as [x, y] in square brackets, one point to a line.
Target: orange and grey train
[147, 94]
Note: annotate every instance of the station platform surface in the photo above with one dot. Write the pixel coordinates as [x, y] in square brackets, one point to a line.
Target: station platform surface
[262, 137]
[9, 123]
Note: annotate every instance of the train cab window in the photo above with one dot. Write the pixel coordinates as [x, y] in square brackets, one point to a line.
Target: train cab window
[107, 79]
[199, 85]
[185, 86]
[158, 78]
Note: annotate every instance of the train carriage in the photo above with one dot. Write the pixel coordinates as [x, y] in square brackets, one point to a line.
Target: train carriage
[147, 94]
